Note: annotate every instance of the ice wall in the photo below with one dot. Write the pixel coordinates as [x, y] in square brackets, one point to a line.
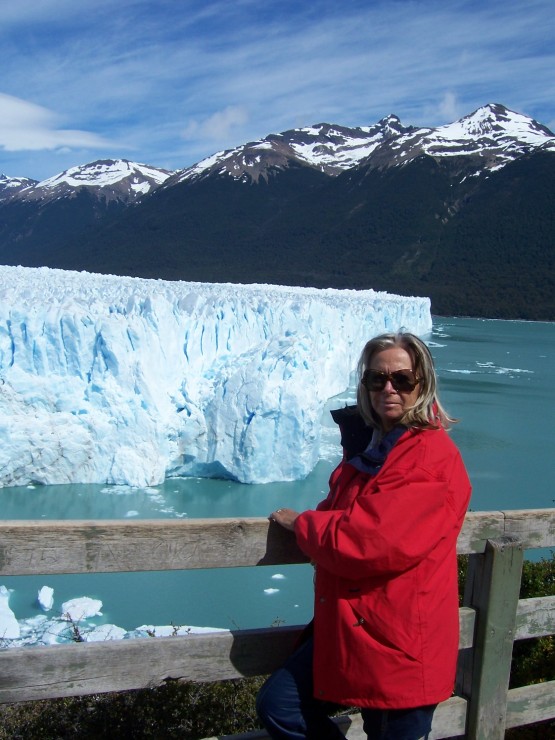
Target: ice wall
[125, 380]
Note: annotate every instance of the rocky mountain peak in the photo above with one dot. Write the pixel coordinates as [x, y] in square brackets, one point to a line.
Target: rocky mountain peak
[330, 148]
[11, 186]
[489, 138]
[118, 179]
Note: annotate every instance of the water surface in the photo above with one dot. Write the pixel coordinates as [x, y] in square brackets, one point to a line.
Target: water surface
[495, 376]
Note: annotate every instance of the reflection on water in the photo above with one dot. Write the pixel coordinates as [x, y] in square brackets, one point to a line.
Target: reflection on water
[495, 376]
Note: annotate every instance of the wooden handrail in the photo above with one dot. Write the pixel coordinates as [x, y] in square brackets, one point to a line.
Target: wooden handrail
[492, 540]
[51, 547]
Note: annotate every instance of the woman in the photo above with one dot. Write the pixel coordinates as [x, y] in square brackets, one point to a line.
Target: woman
[386, 626]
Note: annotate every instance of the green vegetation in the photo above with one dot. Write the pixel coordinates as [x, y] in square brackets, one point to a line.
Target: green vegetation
[174, 710]
[534, 660]
[192, 711]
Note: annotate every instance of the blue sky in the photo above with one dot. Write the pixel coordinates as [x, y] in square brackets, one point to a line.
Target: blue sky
[168, 82]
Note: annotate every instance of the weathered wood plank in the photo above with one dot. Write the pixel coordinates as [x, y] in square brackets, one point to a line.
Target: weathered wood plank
[449, 721]
[533, 527]
[467, 619]
[529, 704]
[477, 529]
[118, 665]
[449, 718]
[89, 668]
[52, 547]
[107, 546]
[493, 588]
[350, 726]
[535, 617]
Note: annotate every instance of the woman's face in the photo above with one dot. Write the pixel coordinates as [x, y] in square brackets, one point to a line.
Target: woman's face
[389, 403]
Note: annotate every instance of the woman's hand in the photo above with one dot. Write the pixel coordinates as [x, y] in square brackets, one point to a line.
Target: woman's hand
[285, 518]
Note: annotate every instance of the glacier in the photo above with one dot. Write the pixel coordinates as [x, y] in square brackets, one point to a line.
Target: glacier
[119, 380]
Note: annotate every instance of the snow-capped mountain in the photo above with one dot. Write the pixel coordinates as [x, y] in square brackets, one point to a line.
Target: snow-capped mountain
[493, 134]
[330, 148]
[461, 213]
[10, 186]
[119, 179]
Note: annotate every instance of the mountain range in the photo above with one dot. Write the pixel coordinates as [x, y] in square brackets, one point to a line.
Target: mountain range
[462, 213]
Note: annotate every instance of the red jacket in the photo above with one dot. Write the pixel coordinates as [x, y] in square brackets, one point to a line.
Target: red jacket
[386, 625]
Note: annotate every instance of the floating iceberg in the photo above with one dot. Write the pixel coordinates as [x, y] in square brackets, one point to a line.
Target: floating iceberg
[46, 598]
[75, 623]
[75, 610]
[9, 626]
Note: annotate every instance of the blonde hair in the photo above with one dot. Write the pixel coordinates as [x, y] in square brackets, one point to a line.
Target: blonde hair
[427, 412]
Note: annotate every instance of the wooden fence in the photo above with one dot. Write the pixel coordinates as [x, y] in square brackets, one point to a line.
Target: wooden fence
[491, 619]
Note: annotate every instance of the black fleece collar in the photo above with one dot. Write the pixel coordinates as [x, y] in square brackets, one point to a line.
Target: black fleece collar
[372, 459]
[356, 438]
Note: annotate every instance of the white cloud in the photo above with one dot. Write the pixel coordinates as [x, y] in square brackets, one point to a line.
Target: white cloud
[221, 123]
[26, 126]
[178, 81]
[449, 109]
[218, 126]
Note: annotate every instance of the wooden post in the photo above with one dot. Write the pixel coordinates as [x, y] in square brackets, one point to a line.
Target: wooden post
[492, 588]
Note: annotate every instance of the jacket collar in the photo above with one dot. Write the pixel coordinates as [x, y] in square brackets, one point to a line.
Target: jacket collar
[372, 459]
[357, 440]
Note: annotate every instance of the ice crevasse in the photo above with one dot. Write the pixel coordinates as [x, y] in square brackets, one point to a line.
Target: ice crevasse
[107, 379]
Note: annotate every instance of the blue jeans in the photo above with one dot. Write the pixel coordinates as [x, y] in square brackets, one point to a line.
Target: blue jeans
[288, 710]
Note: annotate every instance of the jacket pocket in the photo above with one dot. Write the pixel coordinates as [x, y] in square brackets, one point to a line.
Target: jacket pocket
[392, 632]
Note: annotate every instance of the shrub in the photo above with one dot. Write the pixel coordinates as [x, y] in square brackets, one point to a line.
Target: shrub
[184, 710]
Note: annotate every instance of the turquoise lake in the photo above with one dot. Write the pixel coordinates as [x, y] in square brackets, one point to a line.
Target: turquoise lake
[495, 376]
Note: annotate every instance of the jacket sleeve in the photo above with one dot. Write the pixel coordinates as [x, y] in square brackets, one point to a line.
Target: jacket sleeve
[394, 522]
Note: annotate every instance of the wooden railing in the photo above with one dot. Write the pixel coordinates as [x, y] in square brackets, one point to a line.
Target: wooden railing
[491, 619]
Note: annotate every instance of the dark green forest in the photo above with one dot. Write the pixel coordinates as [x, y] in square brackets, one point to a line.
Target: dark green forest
[476, 245]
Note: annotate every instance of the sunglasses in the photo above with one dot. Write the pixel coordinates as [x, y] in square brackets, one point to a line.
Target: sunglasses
[403, 381]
